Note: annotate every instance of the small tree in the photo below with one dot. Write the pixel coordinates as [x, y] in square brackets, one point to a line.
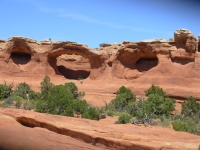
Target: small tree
[59, 99]
[46, 86]
[190, 107]
[124, 118]
[123, 98]
[91, 113]
[71, 87]
[24, 91]
[155, 90]
[5, 90]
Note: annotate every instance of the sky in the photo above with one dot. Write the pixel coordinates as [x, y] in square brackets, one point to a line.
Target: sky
[93, 22]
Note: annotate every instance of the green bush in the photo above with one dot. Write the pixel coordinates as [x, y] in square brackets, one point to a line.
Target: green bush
[164, 123]
[41, 106]
[155, 90]
[8, 101]
[160, 105]
[68, 112]
[72, 88]
[91, 113]
[139, 109]
[23, 90]
[187, 126]
[59, 99]
[190, 108]
[80, 106]
[29, 105]
[110, 113]
[123, 98]
[124, 118]
[5, 90]
[46, 86]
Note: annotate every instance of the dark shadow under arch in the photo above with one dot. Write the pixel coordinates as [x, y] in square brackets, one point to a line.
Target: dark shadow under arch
[20, 58]
[73, 74]
[182, 62]
[145, 64]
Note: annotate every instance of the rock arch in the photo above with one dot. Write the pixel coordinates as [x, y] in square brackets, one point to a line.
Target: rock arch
[96, 60]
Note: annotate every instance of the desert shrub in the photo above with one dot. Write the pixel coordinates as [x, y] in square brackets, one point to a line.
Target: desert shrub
[41, 106]
[5, 90]
[46, 86]
[68, 112]
[110, 107]
[160, 105]
[72, 88]
[144, 111]
[80, 106]
[8, 101]
[23, 90]
[123, 98]
[164, 122]
[124, 118]
[29, 105]
[188, 125]
[110, 113]
[2, 105]
[91, 113]
[138, 109]
[155, 90]
[58, 100]
[80, 95]
[190, 108]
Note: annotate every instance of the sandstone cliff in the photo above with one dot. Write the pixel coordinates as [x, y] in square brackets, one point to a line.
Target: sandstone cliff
[173, 65]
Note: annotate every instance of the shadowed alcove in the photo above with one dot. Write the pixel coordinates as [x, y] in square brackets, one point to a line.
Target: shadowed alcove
[73, 66]
[20, 57]
[145, 64]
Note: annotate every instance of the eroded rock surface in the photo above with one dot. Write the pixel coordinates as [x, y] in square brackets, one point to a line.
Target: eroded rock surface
[21, 129]
[173, 65]
[185, 39]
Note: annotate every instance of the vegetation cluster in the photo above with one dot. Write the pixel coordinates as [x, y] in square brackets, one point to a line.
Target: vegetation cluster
[157, 108]
[63, 99]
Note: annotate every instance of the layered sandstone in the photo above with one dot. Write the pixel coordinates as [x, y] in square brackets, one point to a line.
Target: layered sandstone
[21, 129]
[174, 65]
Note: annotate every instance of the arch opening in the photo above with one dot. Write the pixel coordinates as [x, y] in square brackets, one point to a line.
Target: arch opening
[20, 57]
[145, 64]
[74, 67]
[110, 64]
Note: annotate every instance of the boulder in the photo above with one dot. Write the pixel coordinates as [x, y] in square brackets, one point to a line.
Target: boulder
[184, 38]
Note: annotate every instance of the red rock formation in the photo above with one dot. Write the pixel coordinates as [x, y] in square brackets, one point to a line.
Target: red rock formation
[21, 129]
[175, 66]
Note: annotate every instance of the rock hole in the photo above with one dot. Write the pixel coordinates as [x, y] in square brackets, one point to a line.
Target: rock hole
[110, 64]
[182, 62]
[144, 64]
[73, 74]
[20, 58]
[73, 67]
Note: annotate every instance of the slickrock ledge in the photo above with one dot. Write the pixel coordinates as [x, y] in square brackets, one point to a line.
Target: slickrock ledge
[30, 130]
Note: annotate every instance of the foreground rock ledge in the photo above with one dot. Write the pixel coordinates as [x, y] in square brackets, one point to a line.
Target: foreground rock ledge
[21, 129]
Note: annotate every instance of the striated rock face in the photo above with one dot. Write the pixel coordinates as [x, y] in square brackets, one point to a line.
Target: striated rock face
[169, 64]
[21, 129]
[185, 39]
